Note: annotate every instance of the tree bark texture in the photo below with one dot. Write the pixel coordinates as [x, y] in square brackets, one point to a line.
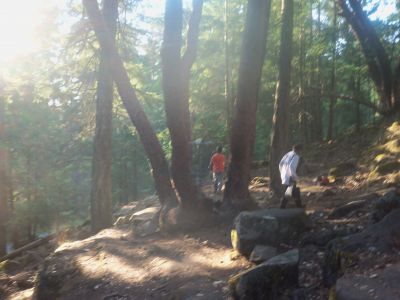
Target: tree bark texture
[244, 123]
[280, 120]
[176, 74]
[386, 80]
[100, 196]
[135, 111]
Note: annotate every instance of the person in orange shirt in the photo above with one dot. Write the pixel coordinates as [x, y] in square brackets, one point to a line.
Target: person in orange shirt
[217, 165]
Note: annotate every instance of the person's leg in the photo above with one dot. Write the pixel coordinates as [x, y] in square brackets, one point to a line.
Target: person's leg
[220, 177]
[284, 199]
[297, 197]
[215, 182]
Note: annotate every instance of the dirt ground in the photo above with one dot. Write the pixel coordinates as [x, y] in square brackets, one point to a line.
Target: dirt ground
[115, 265]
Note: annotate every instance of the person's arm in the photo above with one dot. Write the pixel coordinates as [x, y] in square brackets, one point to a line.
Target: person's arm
[293, 167]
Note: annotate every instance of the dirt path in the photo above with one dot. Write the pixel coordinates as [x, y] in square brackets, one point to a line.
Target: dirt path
[114, 266]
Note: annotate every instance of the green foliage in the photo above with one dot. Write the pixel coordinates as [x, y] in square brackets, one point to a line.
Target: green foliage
[50, 109]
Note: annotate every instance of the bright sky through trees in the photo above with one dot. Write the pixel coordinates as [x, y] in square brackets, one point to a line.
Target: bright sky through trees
[21, 19]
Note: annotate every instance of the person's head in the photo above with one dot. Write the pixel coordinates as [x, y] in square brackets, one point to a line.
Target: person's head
[219, 149]
[298, 148]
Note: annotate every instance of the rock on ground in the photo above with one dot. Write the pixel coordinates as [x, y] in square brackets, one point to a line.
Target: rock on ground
[262, 253]
[270, 280]
[344, 210]
[382, 236]
[382, 284]
[384, 205]
[267, 227]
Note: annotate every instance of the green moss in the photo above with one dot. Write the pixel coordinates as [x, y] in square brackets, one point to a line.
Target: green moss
[234, 239]
[394, 129]
[393, 146]
[381, 157]
[3, 266]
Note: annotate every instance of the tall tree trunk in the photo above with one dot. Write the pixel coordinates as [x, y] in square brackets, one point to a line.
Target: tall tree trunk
[332, 98]
[4, 192]
[303, 111]
[279, 134]
[227, 79]
[135, 111]
[244, 123]
[318, 100]
[176, 74]
[100, 196]
[385, 80]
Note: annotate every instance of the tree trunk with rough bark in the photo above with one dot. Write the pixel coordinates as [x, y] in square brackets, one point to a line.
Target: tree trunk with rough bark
[135, 111]
[244, 123]
[100, 196]
[176, 74]
[279, 134]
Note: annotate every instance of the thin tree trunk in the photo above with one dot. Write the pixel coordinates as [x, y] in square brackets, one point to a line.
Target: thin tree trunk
[100, 196]
[135, 111]
[244, 124]
[332, 99]
[318, 103]
[176, 74]
[4, 192]
[227, 79]
[135, 178]
[302, 100]
[358, 106]
[279, 134]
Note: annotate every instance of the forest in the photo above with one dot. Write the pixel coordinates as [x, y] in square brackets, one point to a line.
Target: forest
[122, 103]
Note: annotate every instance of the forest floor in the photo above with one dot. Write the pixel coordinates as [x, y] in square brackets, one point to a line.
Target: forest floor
[115, 264]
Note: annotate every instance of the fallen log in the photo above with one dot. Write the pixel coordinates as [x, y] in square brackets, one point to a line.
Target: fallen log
[29, 246]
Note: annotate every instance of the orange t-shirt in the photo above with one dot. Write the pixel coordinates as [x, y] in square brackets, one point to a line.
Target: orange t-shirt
[218, 162]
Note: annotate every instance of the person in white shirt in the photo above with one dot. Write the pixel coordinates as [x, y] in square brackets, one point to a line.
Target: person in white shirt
[288, 169]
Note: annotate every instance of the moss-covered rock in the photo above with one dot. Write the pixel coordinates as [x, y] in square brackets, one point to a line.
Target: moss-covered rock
[267, 227]
[392, 146]
[270, 280]
[394, 129]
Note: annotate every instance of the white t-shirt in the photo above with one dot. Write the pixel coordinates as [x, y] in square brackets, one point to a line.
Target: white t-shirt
[288, 166]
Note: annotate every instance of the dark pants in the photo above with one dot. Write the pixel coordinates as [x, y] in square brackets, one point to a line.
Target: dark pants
[295, 196]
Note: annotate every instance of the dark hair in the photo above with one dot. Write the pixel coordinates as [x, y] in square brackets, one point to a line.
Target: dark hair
[297, 147]
[219, 149]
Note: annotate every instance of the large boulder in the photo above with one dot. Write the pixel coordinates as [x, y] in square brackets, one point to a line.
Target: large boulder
[267, 227]
[262, 253]
[341, 252]
[344, 210]
[384, 205]
[268, 281]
